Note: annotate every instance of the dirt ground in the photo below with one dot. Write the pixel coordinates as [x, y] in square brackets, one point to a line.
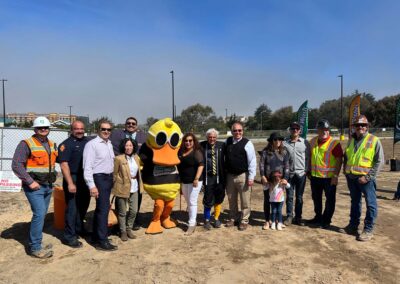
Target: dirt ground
[294, 255]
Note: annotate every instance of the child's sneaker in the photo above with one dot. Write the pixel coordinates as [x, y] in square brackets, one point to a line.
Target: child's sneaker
[279, 227]
[273, 226]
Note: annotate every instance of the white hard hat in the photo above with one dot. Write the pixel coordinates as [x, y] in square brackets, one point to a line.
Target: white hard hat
[41, 121]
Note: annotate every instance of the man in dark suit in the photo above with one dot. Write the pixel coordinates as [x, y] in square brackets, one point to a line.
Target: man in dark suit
[213, 177]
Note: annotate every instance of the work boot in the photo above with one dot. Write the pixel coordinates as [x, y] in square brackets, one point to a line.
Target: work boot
[217, 224]
[243, 226]
[42, 253]
[130, 234]
[124, 236]
[349, 229]
[230, 224]
[289, 221]
[207, 225]
[365, 236]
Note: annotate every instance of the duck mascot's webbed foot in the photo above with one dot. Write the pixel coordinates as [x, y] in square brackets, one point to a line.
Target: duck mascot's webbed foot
[155, 224]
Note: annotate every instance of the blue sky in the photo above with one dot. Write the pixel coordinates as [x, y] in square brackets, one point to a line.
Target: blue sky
[114, 57]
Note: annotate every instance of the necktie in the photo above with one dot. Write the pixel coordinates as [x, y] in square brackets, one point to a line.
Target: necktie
[213, 160]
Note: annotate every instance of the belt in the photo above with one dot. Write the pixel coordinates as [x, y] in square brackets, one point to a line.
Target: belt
[103, 175]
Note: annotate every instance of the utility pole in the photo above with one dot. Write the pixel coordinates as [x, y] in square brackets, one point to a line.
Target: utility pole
[173, 95]
[70, 115]
[341, 107]
[4, 104]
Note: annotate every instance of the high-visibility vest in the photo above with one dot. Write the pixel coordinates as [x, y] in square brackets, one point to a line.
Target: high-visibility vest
[323, 162]
[40, 161]
[361, 161]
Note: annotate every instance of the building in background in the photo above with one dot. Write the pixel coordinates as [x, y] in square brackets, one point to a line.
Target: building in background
[57, 118]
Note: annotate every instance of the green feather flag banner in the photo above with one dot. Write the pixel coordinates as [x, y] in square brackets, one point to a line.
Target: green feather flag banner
[302, 119]
[396, 137]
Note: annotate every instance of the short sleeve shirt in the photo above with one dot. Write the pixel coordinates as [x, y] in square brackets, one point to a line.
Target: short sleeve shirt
[71, 151]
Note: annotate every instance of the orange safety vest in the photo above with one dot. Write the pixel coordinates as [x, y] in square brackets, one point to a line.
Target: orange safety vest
[323, 163]
[40, 162]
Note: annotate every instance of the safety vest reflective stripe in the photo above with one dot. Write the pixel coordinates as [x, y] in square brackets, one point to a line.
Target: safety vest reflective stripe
[322, 163]
[361, 161]
[39, 158]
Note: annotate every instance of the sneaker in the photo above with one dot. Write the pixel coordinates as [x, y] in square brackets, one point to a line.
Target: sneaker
[217, 224]
[349, 229]
[273, 226]
[207, 225]
[42, 253]
[190, 230]
[124, 236]
[243, 226]
[365, 236]
[279, 227]
[130, 234]
[289, 221]
[265, 226]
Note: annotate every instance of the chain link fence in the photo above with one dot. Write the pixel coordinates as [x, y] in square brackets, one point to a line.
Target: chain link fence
[10, 138]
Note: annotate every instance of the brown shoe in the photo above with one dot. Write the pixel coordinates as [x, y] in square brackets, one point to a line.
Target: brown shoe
[230, 223]
[124, 236]
[42, 253]
[243, 226]
[130, 234]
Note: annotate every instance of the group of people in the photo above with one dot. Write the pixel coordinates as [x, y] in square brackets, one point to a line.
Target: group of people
[110, 163]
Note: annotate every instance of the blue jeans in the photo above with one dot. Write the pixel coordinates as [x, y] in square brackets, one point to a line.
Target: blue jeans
[297, 184]
[356, 191]
[276, 211]
[319, 186]
[39, 201]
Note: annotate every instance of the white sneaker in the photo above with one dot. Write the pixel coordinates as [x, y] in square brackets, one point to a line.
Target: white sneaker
[273, 226]
[279, 227]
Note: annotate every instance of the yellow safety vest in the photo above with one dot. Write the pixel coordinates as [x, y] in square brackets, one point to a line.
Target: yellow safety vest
[323, 163]
[361, 161]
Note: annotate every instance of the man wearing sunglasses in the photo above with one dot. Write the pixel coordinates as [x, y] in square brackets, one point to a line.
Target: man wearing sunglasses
[34, 163]
[98, 168]
[241, 165]
[131, 131]
[363, 160]
[299, 165]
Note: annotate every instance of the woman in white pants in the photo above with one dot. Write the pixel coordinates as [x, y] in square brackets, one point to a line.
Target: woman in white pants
[190, 172]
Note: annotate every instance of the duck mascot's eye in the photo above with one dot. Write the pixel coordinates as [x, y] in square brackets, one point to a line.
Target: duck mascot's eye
[161, 138]
[174, 140]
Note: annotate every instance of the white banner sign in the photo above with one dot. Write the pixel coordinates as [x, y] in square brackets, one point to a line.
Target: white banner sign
[9, 182]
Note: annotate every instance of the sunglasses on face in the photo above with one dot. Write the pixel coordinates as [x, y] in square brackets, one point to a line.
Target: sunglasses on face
[43, 128]
[360, 125]
[237, 130]
[131, 123]
[106, 129]
[188, 140]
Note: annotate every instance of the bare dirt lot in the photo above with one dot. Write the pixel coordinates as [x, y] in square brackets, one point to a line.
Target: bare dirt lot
[294, 255]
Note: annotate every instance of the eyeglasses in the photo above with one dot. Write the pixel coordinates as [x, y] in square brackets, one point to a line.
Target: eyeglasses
[360, 125]
[237, 130]
[188, 140]
[43, 128]
[131, 123]
[105, 129]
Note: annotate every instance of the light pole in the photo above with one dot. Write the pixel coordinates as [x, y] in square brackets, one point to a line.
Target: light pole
[4, 104]
[226, 114]
[173, 95]
[70, 115]
[262, 119]
[341, 107]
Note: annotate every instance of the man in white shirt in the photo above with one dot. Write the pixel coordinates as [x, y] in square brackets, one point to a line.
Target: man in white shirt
[240, 161]
[98, 166]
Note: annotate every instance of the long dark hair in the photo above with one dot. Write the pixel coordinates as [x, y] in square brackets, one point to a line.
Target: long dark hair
[270, 148]
[196, 144]
[123, 143]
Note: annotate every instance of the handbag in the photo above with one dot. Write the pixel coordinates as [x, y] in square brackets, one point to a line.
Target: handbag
[112, 215]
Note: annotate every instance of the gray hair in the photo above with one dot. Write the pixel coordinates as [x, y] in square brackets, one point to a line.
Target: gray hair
[212, 130]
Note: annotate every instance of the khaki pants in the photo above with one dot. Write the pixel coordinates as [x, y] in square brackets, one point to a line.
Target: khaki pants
[237, 185]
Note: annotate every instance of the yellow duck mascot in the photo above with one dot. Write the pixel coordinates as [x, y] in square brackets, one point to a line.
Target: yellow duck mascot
[159, 156]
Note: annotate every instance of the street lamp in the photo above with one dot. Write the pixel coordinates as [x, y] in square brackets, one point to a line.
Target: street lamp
[173, 95]
[341, 107]
[70, 115]
[4, 104]
[262, 119]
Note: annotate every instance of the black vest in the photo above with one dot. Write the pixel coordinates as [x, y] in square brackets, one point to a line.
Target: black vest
[236, 156]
